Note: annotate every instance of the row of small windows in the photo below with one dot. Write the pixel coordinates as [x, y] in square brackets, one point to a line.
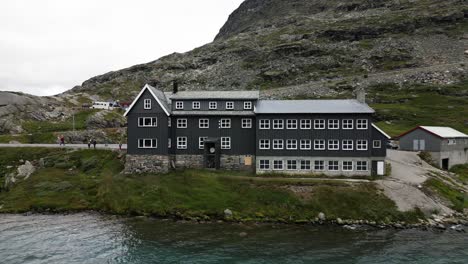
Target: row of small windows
[212, 105]
[318, 165]
[182, 143]
[319, 144]
[307, 124]
[223, 123]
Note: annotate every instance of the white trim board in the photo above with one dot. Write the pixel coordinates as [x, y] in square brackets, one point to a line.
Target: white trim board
[146, 87]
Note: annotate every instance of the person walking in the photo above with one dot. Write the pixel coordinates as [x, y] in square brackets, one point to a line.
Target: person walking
[94, 143]
[62, 140]
[89, 143]
[120, 145]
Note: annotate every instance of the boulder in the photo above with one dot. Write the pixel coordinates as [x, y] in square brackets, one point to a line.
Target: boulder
[321, 216]
[339, 221]
[24, 171]
[227, 213]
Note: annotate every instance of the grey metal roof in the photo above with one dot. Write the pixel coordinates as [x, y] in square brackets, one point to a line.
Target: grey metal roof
[161, 97]
[312, 107]
[213, 113]
[253, 95]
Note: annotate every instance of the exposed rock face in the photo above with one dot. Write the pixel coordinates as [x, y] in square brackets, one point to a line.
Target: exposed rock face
[23, 173]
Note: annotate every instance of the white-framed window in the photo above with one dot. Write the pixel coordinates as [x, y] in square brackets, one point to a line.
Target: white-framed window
[264, 124]
[361, 124]
[179, 105]
[319, 124]
[319, 144]
[147, 104]
[305, 144]
[181, 123]
[333, 124]
[169, 122]
[452, 142]
[278, 144]
[305, 165]
[278, 123]
[264, 144]
[247, 105]
[264, 164]
[169, 143]
[225, 123]
[291, 164]
[376, 144]
[147, 143]
[213, 105]
[229, 105]
[147, 122]
[291, 144]
[196, 105]
[333, 165]
[333, 144]
[225, 143]
[203, 123]
[306, 124]
[246, 123]
[361, 144]
[361, 166]
[347, 144]
[291, 124]
[278, 164]
[319, 165]
[347, 166]
[347, 124]
[182, 143]
[201, 142]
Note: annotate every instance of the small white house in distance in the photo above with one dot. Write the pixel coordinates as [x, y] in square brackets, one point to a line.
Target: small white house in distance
[447, 146]
[102, 105]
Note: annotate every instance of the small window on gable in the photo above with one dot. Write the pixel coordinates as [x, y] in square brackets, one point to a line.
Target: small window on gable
[376, 144]
[147, 104]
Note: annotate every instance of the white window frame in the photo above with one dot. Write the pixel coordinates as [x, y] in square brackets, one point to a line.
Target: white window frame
[362, 144]
[362, 165]
[264, 144]
[306, 123]
[196, 105]
[347, 124]
[335, 164]
[291, 165]
[291, 144]
[264, 124]
[278, 162]
[204, 123]
[169, 143]
[142, 121]
[278, 124]
[225, 123]
[264, 164]
[182, 122]
[213, 105]
[201, 142]
[248, 105]
[246, 122]
[333, 124]
[362, 124]
[377, 144]
[318, 143]
[230, 105]
[320, 163]
[226, 143]
[452, 142]
[305, 144]
[147, 104]
[333, 144]
[291, 123]
[319, 124]
[345, 145]
[305, 165]
[345, 167]
[169, 122]
[182, 142]
[278, 144]
[179, 105]
[142, 143]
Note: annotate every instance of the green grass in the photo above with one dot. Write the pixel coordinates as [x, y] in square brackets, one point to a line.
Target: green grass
[90, 180]
[462, 172]
[67, 125]
[458, 199]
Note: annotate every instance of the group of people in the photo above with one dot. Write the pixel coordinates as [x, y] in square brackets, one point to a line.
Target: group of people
[92, 141]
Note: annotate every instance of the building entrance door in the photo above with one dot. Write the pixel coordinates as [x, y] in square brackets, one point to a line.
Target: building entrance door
[211, 155]
[445, 164]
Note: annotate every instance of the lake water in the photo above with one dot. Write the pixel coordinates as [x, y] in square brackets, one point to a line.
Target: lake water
[93, 238]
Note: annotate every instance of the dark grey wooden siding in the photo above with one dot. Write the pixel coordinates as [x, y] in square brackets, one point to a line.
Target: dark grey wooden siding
[313, 134]
[204, 105]
[160, 132]
[382, 151]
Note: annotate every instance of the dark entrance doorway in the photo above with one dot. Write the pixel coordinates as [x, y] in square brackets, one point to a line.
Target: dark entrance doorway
[212, 155]
[445, 164]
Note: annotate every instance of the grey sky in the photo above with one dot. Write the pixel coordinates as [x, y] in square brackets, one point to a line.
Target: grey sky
[49, 46]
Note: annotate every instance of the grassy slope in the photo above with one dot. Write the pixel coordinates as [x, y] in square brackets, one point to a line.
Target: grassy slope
[94, 184]
[458, 199]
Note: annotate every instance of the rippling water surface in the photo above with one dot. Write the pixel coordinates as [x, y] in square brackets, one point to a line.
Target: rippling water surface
[92, 238]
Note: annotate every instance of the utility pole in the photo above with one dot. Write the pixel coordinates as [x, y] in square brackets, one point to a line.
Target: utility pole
[73, 115]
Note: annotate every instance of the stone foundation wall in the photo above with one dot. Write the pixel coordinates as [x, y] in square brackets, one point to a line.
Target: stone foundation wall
[138, 164]
[237, 162]
[188, 161]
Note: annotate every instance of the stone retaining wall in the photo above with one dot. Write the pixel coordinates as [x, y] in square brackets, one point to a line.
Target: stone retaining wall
[188, 161]
[237, 162]
[137, 164]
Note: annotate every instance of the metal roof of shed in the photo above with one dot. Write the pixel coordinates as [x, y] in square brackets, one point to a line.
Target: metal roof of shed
[442, 132]
[312, 107]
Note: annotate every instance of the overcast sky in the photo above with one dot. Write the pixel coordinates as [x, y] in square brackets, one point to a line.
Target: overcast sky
[49, 46]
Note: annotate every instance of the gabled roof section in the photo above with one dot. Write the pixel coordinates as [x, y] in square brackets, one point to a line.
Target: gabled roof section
[381, 131]
[312, 107]
[441, 132]
[158, 96]
[200, 95]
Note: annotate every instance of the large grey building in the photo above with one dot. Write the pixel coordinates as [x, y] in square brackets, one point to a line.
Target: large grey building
[236, 130]
[447, 146]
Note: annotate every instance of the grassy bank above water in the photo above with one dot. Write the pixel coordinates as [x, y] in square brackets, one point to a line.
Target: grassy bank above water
[90, 180]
